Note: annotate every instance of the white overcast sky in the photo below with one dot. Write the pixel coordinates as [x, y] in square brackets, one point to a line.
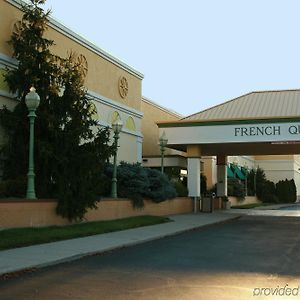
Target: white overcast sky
[194, 53]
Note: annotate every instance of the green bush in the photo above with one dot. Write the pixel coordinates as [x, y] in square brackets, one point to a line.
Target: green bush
[132, 182]
[13, 188]
[181, 189]
[138, 183]
[250, 182]
[286, 191]
[160, 188]
[269, 194]
[235, 188]
[260, 183]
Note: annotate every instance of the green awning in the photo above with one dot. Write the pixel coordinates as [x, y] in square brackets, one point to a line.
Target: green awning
[237, 171]
[229, 173]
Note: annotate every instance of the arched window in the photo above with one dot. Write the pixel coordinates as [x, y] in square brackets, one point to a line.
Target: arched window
[114, 117]
[130, 124]
[3, 84]
[93, 110]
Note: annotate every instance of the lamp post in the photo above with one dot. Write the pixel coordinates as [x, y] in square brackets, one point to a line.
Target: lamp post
[116, 127]
[163, 141]
[32, 101]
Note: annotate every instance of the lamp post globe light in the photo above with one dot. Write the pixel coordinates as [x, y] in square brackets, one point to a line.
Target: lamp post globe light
[163, 141]
[116, 127]
[32, 101]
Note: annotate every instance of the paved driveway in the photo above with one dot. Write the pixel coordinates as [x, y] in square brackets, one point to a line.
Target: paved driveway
[238, 260]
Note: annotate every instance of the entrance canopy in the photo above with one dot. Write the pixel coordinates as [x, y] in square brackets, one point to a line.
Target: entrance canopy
[258, 123]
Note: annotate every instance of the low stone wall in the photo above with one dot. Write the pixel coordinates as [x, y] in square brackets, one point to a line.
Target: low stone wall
[247, 200]
[24, 213]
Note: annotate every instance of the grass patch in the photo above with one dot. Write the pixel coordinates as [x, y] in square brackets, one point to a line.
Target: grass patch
[252, 205]
[26, 236]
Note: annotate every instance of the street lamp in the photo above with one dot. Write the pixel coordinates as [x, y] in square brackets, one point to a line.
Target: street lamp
[32, 101]
[163, 141]
[116, 127]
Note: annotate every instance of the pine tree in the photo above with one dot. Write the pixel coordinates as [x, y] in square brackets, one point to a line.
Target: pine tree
[70, 150]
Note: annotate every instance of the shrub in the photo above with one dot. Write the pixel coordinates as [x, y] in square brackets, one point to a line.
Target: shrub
[250, 182]
[13, 187]
[286, 191]
[235, 188]
[269, 194]
[133, 183]
[137, 183]
[260, 183]
[181, 189]
[160, 188]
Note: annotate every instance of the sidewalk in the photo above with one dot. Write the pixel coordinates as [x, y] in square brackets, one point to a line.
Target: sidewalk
[37, 256]
[270, 210]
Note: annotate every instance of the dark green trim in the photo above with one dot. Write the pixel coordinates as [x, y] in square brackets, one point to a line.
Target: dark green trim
[228, 122]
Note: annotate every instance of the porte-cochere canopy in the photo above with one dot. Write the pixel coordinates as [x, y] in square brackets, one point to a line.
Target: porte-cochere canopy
[258, 123]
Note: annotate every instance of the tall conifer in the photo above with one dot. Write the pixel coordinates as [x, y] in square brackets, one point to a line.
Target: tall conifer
[70, 149]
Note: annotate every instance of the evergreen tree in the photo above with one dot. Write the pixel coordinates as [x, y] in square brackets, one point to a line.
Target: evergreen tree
[70, 150]
[260, 183]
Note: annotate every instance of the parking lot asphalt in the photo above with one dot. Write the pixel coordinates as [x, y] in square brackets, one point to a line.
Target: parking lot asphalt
[242, 259]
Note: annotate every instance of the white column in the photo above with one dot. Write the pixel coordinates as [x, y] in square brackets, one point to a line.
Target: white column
[221, 180]
[193, 166]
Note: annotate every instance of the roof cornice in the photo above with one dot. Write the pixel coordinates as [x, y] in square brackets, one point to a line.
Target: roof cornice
[58, 26]
[167, 110]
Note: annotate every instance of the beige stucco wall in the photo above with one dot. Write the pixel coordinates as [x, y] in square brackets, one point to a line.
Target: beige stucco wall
[42, 213]
[8, 16]
[259, 158]
[152, 114]
[103, 75]
[126, 142]
[102, 80]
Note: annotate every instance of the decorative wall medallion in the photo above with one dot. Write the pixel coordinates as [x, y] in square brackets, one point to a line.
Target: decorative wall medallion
[123, 86]
[82, 61]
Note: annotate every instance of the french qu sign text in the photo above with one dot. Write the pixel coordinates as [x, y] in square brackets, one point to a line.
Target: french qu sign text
[266, 130]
